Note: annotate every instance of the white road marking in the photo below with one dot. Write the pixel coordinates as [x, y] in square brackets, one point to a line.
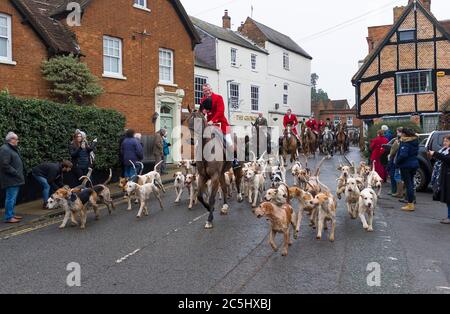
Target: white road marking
[121, 260]
[393, 258]
[443, 288]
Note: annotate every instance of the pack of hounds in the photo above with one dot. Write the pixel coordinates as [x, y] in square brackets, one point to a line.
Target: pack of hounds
[263, 184]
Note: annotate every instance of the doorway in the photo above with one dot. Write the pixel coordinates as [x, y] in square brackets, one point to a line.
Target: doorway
[167, 123]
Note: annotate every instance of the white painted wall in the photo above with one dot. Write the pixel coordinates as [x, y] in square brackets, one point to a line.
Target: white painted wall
[212, 77]
[298, 77]
[245, 77]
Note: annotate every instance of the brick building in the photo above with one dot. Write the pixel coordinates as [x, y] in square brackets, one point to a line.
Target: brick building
[338, 111]
[141, 51]
[407, 71]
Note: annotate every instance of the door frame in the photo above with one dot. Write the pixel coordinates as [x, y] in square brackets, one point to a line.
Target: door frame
[174, 101]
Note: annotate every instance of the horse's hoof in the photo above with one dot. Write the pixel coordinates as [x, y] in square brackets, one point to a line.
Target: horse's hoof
[209, 225]
[224, 210]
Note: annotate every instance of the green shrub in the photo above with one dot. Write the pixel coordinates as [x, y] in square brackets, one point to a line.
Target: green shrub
[46, 128]
[71, 80]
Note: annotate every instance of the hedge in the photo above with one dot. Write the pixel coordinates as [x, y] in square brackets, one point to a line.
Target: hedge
[46, 128]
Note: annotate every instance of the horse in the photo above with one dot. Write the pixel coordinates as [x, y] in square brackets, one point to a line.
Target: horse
[328, 143]
[310, 143]
[289, 144]
[341, 139]
[213, 171]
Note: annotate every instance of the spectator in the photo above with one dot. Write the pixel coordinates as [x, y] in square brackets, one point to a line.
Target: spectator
[80, 153]
[387, 133]
[166, 151]
[397, 185]
[11, 175]
[376, 145]
[132, 151]
[158, 146]
[408, 163]
[441, 177]
[261, 121]
[50, 177]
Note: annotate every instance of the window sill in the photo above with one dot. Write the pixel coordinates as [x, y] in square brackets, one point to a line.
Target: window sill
[412, 94]
[8, 62]
[168, 84]
[141, 8]
[114, 76]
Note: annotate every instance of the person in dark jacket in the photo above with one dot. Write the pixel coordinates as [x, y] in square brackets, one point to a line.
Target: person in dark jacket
[11, 175]
[131, 150]
[80, 152]
[408, 164]
[50, 177]
[441, 177]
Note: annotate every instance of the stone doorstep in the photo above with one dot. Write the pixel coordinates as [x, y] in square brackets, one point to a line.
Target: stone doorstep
[33, 212]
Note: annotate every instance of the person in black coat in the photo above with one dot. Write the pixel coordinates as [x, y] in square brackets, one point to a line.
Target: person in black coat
[80, 153]
[441, 176]
[11, 175]
[50, 177]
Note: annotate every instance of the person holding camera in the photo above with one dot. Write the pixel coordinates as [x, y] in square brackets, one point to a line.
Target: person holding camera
[81, 154]
[441, 176]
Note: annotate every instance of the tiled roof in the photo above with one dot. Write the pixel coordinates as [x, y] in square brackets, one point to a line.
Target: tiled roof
[225, 34]
[54, 33]
[280, 39]
[42, 15]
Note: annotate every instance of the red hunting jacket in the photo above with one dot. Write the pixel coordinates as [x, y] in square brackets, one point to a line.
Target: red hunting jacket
[312, 124]
[217, 113]
[290, 120]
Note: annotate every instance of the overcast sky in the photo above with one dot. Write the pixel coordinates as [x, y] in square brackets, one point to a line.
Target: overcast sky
[336, 50]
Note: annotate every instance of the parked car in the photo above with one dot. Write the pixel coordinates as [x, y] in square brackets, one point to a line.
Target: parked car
[434, 142]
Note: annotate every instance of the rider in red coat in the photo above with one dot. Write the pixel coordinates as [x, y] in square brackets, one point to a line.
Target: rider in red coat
[217, 113]
[291, 119]
[312, 124]
[322, 124]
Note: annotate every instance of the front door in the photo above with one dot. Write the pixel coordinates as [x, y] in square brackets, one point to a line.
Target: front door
[167, 123]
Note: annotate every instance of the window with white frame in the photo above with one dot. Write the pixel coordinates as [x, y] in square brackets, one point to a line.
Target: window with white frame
[234, 96]
[414, 82]
[5, 38]
[233, 57]
[141, 4]
[199, 81]
[286, 61]
[407, 35]
[112, 56]
[285, 94]
[255, 98]
[253, 61]
[350, 121]
[166, 66]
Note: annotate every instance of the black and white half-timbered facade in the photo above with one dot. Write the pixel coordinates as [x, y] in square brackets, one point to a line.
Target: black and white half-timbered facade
[408, 72]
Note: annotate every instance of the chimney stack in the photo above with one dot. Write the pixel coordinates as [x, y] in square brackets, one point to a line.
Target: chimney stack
[398, 11]
[226, 19]
[426, 4]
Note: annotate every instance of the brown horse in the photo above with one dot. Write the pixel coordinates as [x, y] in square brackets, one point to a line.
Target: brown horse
[341, 138]
[213, 171]
[310, 143]
[289, 144]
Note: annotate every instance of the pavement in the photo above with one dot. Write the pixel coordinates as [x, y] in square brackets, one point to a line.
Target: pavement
[170, 252]
[32, 212]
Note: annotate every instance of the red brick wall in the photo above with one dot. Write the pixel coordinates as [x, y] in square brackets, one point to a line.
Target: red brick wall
[135, 97]
[343, 114]
[25, 78]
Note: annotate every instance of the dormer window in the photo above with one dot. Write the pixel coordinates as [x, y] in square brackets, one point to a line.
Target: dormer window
[407, 35]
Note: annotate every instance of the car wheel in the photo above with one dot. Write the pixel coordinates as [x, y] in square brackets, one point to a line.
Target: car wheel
[420, 180]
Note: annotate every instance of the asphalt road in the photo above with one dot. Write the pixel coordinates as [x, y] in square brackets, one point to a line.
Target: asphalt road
[170, 252]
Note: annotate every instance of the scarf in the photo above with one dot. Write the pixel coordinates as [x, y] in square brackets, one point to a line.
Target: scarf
[435, 178]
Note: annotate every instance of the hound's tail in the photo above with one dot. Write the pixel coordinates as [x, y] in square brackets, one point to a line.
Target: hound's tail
[109, 178]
